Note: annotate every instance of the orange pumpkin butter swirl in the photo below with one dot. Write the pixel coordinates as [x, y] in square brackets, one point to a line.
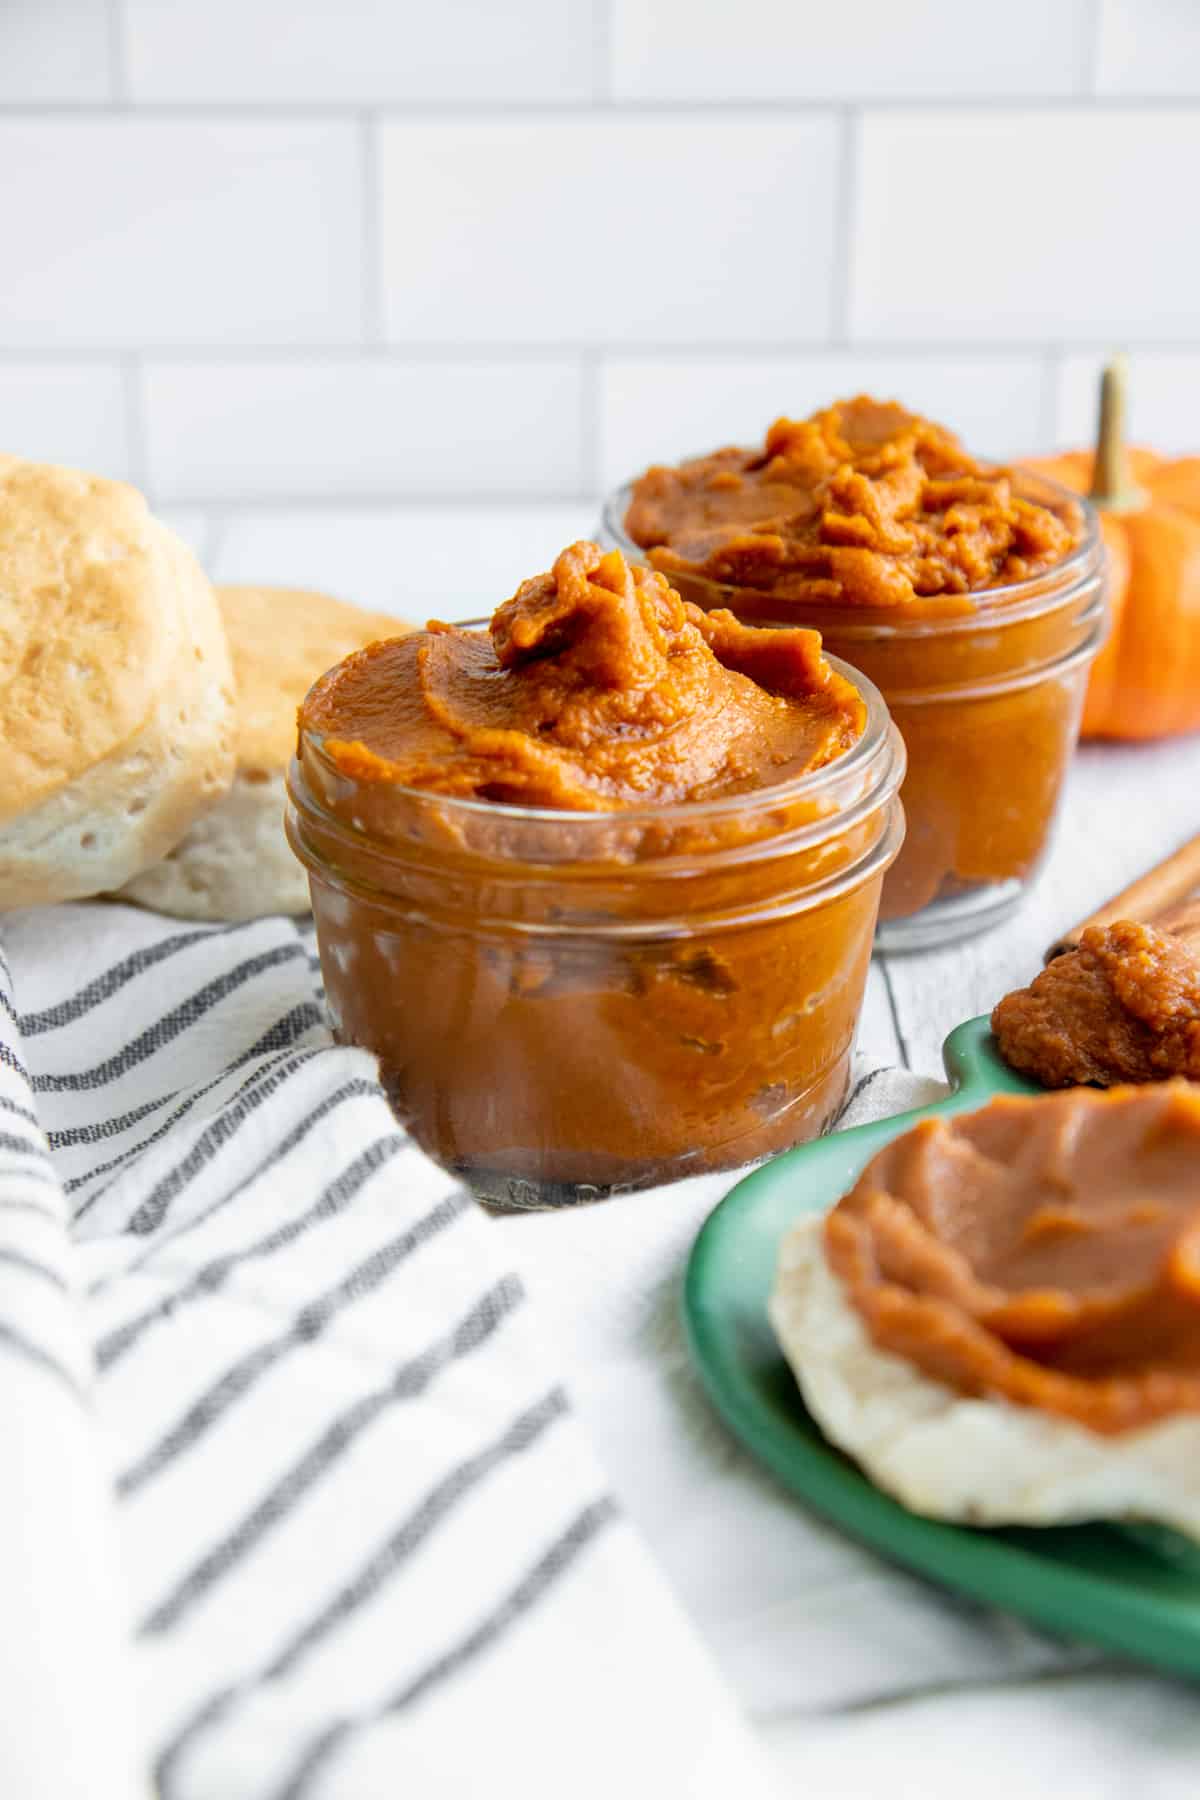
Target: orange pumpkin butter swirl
[596, 689]
[1045, 1251]
[863, 504]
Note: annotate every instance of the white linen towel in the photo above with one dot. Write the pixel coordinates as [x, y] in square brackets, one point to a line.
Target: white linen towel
[364, 1547]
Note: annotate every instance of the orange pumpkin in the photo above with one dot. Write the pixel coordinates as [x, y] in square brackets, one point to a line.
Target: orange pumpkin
[1145, 683]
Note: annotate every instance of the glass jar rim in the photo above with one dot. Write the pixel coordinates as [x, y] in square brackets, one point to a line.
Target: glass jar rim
[1019, 600]
[874, 740]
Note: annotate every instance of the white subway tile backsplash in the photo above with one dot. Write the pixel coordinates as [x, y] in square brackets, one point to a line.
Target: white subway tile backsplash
[1149, 47]
[70, 413]
[392, 253]
[608, 229]
[368, 426]
[361, 51]
[1024, 226]
[127, 232]
[452, 562]
[762, 49]
[1164, 400]
[53, 51]
[658, 410]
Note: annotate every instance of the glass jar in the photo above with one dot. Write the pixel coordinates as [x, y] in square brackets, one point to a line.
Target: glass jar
[987, 691]
[571, 1004]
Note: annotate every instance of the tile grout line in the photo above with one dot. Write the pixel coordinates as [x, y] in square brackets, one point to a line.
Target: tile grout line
[699, 110]
[591, 357]
[322, 503]
[372, 231]
[118, 53]
[1048, 409]
[846, 190]
[1093, 44]
[212, 540]
[603, 72]
[423, 352]
[134, 403]
[591, 447]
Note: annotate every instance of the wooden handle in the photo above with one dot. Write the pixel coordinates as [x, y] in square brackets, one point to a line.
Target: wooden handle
[1182, 921]
[1156, 894]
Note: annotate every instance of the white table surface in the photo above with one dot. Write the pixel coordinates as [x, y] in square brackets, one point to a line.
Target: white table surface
[1076, 1737]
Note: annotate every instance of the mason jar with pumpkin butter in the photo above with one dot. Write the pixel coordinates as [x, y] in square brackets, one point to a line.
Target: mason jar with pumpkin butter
[973, 596]
[597, 881]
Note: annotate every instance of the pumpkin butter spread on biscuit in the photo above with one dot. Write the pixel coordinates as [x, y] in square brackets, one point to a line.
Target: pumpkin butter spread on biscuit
[1001, 1319]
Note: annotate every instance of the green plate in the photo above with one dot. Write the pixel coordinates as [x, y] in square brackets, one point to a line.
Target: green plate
[1134, 1589]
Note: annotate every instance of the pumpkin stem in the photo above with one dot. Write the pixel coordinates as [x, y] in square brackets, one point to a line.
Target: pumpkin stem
[1112, 487]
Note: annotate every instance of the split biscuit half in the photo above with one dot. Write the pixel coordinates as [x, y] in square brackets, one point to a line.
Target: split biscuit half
[235, 863]
[116, 690]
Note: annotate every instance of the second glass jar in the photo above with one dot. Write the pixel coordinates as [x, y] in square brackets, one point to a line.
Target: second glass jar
[988, 697]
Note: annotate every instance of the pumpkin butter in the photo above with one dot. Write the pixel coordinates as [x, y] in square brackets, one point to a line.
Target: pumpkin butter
[1124, 1006]
[863, 504]
[1043, 1250]
[970, 594]
[598, 883]
[595, 688]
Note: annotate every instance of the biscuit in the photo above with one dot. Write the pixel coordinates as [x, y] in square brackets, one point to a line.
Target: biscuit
[235, 863]
[116, 692]
[951, 1456]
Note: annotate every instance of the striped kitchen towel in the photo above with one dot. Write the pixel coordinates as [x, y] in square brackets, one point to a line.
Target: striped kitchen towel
[293, 1501]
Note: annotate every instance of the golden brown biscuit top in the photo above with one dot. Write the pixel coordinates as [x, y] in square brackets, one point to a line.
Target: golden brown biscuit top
[89, 624]
[281, 640]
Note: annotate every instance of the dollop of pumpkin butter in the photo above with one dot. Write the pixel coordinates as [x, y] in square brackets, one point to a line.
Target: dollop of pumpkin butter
[1043, 1250]
[863, 504]
[596, 688]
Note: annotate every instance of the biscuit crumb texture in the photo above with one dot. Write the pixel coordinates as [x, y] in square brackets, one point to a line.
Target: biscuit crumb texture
[116, 687]
[948, 1456]
[235, 863]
